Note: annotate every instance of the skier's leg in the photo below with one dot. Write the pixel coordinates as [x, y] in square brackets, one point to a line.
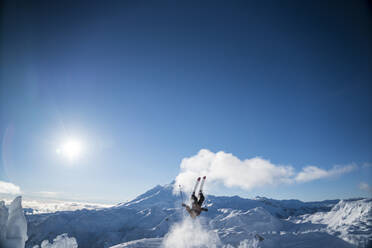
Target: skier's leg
[193, 198]
[196, 185]
[201, 198]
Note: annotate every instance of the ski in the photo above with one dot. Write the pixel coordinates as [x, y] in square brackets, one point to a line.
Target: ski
[196, 185]
[202, 184]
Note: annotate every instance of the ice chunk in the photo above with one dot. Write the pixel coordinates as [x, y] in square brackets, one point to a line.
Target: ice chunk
[61, 241]
[13, 225]
[3, 220]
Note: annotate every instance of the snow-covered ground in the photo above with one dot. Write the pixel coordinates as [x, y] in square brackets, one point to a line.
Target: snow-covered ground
[155, 219]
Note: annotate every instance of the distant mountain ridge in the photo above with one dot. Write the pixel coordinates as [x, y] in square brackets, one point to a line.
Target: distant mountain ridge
[162, 195]
[149, 217]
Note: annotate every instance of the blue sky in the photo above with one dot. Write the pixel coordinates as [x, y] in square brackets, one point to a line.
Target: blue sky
[143, 85]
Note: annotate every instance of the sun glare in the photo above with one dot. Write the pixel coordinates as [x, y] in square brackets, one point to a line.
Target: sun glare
[71, 149]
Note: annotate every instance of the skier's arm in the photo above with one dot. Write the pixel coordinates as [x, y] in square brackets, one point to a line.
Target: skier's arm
[187, 207]
[204, 209]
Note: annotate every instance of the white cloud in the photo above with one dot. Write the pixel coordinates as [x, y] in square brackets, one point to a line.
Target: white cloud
[366, 187]
[310, 173]
[247, 174]
[9, 188]
[231, 171]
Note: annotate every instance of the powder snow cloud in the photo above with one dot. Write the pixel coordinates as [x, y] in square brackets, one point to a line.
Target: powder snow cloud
[247, 174]
[9, 188]
[191, 234]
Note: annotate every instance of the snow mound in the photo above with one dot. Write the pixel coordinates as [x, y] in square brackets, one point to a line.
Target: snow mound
[13, 225]
[61, 241]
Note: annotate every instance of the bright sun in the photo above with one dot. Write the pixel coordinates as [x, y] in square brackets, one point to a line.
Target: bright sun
[71, 149]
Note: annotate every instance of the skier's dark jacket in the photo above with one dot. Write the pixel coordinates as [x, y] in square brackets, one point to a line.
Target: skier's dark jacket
[196, 208]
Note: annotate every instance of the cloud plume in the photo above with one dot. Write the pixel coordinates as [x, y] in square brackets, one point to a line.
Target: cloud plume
[9, 188]
[247, 174]
[310, 173]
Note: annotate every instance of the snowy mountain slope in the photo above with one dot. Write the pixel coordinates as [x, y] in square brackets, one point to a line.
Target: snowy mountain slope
[160, 196]
[238, 228]
[148, 215]
[152, 214]
[106, 227]
[279, 208]
[99, 228]
[235, 225]
[287, 208]
[257, 220]
[350, 220]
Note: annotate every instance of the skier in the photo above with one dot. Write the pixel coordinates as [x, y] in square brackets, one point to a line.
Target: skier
[196, 206]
